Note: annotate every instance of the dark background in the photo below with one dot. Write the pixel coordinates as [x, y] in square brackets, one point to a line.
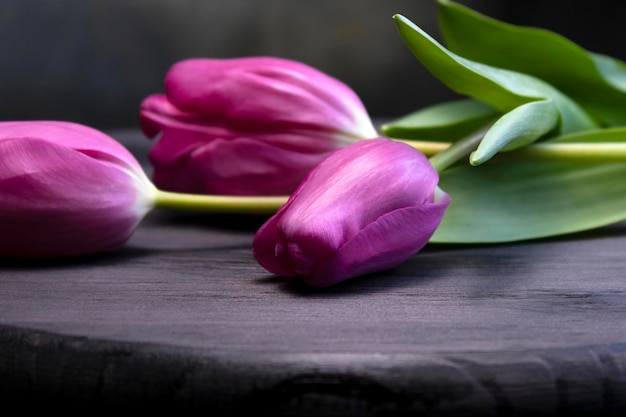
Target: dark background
[93, 61]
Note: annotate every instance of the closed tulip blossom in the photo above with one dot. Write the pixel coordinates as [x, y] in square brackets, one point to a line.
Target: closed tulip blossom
[247, 126]
[365, 208]
[66, 190]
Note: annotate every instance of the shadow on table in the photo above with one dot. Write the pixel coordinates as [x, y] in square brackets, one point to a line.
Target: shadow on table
[479, 268]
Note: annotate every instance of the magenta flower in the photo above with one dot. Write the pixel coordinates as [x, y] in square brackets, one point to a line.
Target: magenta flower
[365, 208]
[66, 190]
[247, 126]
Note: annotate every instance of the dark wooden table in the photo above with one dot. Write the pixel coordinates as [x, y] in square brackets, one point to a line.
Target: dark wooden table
[182, 317]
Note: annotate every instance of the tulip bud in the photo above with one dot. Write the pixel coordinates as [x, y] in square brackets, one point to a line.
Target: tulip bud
[66, 190]
[247, 126]
[365, 208]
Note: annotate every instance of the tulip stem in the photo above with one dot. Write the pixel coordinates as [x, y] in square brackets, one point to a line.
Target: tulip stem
[562, 152]
[219, 203]
[457, 151]
[428, 148]
[573, 152]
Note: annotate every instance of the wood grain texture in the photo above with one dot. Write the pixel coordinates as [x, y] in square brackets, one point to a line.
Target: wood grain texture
[183, 316]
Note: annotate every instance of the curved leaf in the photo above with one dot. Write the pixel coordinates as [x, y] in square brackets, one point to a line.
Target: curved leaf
[529, 200]
[596, 81]
[444, 122]
[502, 89]
[519, 127]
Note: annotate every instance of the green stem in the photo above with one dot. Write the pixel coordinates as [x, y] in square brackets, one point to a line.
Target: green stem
[428, 148]
[458, 150]
[568, 152]
[219, 203]
[565, 152]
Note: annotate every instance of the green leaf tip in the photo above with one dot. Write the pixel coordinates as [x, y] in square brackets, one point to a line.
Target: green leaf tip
[519, 127]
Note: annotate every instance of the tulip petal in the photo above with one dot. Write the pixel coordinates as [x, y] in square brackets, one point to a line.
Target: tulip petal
[60, 202]
[385, 243]
[350, 182]
[252, 92]
[229, 165]
[82, 138]
[364, 208]
[266, 247]
[269, 170]
[223, 123]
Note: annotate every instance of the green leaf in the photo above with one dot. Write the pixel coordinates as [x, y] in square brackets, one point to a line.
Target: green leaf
[597, 82]
[443, 122]
[502, 89]
[514, 201]
[519, 127]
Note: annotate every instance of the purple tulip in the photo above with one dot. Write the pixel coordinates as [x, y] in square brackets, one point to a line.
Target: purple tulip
[365, 208]
[66, 190]
[247, 126]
